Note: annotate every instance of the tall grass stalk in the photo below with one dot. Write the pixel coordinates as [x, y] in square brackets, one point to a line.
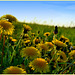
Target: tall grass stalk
[67, 67]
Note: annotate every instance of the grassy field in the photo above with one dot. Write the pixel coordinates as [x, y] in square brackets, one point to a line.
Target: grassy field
[36, 49]
[65, 31]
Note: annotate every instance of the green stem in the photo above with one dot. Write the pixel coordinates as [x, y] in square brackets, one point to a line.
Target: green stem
[14, 51]
[19, 41]
[67, 67]
[13, 54]
[0, 36]
[54, 50]
[3, 50]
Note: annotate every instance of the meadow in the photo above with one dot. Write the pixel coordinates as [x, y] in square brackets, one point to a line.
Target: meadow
[27, 48]
[65, 31]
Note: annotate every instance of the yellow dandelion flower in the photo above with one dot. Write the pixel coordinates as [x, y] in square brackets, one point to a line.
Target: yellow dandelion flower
[9, 17]
[39, 65]
[7, 27]
[74, 63]
[43, 46]
[31, 52]
[11, 38]
[47, 34]
[27, 41]
[70, 43]
[26, 36]
[73, 47]
[55, 65]
[33, 34]
[64, 39]
[14, 40]
[62, 56]
[36, 41]
[72, 54]
[50, 44]
[59, 43]
[14, 70]
[26, 28]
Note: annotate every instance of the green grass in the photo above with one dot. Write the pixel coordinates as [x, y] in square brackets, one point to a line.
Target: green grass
[11, 50]
[67, 32]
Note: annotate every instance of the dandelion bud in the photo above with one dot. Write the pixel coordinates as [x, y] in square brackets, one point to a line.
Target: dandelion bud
[38, 32]
[56, 30]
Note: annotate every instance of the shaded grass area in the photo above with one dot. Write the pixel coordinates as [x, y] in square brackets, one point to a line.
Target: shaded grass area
[67, 32]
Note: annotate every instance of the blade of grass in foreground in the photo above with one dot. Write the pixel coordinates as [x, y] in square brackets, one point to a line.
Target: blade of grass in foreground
[67, 67]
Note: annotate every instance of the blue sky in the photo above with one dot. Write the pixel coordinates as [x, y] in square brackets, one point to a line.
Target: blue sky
[46, 12]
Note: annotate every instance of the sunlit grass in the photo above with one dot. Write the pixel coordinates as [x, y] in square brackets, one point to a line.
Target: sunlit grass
[35, 48]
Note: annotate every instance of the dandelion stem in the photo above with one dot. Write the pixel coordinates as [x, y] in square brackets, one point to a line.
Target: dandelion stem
[3, 50]
[54, 50]
[0, 36]
[19, 40]
[13, 54]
